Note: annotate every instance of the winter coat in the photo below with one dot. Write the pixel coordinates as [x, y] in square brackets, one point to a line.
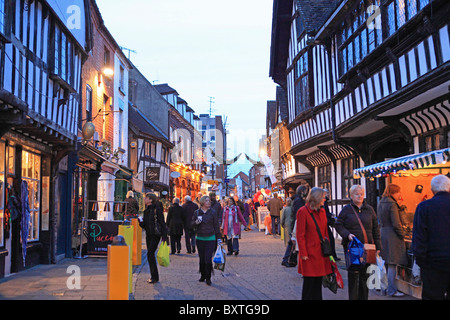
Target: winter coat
[175, 221]
[209, 225]
[431, 236]
[287, 222]
[309, 243]
[347, 223]
[215, 205]
[274, 205]
[392, 234]
[132, 207]
[237, 216]
[189, 209]
[148, 224]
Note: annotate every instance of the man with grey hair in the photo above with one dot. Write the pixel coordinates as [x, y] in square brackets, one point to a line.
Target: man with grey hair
[431, 240]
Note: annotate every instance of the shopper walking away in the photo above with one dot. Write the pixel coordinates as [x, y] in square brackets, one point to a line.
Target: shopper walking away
[312, 264]
[431, 241]
[393, 245]
[275, 205]
[246, 213]
[132, 206]
[189, 232]
[175, 223]
[287, 222]
[215, 205]
[155, 229]
[231, 225]
[348, 226]
[208, 237]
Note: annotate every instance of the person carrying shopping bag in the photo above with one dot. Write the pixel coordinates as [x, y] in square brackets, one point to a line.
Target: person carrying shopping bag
[155, 230]
[206, 223]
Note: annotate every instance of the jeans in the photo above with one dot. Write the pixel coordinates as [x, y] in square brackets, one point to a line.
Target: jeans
[190, 240]
[233, 245]
[288, 252]
[275, 225]
[391, 273]
[152, 245]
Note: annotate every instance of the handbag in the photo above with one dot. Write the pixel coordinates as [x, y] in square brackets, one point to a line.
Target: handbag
[334, 280]
[324, 242]
[293, 257]
[370, 250]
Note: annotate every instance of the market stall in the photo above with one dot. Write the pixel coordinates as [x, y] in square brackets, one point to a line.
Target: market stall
[413, 174]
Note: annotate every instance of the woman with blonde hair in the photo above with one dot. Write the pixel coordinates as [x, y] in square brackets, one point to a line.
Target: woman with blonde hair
[393, 249]
[312, 264]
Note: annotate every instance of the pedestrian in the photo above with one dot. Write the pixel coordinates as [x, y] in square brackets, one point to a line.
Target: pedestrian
[393, 245]
[287, 222]
[331, 222]
[215, 205]
[348, 227]
[132, 207]
[231, 226]
[189, 232]
[431, 240]
[274, 205]
[298, 200]
[155, 229]
[208, 237]
[175, 223]
[247, 213]
[312, 264]
[197, 200]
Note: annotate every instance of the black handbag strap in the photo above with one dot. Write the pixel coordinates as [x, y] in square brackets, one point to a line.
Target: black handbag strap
[317, 226]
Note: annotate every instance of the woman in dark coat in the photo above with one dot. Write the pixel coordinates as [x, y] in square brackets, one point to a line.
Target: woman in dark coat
[392, 235]
[347, 225]
[153, 217]
[175, 224]
[132, 206]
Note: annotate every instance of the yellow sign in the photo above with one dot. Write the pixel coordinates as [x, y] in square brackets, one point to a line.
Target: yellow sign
[213, 182]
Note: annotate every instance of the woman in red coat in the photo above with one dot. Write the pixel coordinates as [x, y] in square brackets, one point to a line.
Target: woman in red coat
[312, 264]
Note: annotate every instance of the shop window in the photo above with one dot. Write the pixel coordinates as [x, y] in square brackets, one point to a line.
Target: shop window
[2, 192]
[31, 173]
[324, 177]
[347, 167]
[431, 142]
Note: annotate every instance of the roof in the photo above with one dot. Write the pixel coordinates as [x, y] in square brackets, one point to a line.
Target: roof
[144, 125]
[165, 89]
[314, 13]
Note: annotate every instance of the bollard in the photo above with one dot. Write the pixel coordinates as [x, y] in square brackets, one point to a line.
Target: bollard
[127, 231]
[118, 269]
[137, 243]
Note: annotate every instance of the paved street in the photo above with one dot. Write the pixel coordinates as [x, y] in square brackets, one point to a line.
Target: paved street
[255, 274]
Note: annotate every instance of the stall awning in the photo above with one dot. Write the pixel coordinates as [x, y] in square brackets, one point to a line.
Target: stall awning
[411, 162]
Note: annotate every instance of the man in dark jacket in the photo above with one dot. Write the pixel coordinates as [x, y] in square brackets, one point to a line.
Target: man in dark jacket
[175, 223]
[215, 205]
[275, 205]
[189, 209]
[431, 240]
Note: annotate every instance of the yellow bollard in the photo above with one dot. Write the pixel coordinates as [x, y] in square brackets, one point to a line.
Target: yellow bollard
[137, 243]
[127, 232]
[118, 270]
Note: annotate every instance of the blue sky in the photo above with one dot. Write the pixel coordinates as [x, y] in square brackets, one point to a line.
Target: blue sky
[204, 48]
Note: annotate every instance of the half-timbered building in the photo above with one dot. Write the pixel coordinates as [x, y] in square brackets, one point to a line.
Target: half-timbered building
[367, 83]
[43, 45]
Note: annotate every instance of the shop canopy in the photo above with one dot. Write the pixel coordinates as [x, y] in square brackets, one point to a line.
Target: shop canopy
[411, 162]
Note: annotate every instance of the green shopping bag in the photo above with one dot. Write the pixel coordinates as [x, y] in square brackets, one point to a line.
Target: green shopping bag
[163, 255]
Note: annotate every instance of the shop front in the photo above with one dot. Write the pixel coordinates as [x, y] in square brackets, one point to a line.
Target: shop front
[185, 181]
[413, 174]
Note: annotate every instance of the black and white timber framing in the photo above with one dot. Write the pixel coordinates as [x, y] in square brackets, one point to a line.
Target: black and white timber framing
[365, 80]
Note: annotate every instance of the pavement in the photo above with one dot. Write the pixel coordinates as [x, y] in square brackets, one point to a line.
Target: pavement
[255, 274]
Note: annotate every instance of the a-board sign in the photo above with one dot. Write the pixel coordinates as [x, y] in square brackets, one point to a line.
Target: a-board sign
[262, 213]
[99, 235]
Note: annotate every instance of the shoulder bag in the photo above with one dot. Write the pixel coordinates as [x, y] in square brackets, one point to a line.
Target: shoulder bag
[370, 251]
[324, 242]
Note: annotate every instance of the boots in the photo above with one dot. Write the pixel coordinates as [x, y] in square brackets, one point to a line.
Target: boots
[208, 271]
[202, 272]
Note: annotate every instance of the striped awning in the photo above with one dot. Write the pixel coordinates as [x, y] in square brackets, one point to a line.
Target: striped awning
[411, 162]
